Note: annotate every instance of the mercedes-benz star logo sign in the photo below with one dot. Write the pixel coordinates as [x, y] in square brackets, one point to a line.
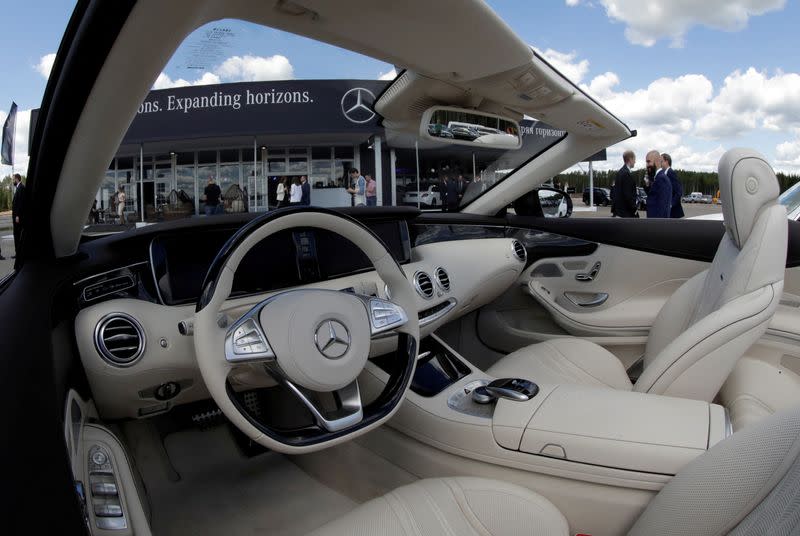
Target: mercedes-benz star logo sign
[357, 105]
[332, 338]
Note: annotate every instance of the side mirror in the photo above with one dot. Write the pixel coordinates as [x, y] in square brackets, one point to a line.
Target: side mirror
[544, 202]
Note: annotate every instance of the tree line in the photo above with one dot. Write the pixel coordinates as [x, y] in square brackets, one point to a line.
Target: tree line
[7, 192]
[706, 182]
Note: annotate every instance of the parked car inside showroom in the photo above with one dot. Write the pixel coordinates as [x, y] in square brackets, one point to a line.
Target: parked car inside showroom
[380, 370]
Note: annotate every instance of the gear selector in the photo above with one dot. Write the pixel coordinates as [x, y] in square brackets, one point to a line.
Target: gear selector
[513, 389]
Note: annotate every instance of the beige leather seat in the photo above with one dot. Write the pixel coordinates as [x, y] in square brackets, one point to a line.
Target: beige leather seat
[710, 321]
[747, 484]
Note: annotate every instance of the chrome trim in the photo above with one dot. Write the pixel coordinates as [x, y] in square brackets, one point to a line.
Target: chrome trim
[728, 422]
[524, 257]
[417, 286]
[438, 314]
[379, 310]
[100, 345]
[587, 277]
[83, 294]
[438, 279]
[76, 283]
[599, 298]
[349, 414]
[332, 336]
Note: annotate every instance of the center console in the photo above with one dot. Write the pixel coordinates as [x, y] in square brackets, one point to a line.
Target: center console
[563, 441]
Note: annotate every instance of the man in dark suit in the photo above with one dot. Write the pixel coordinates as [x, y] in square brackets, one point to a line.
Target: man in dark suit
[305, 199]
[623, 204]
[659, 198]
[18, 210]
[451, 193]
[676, 210]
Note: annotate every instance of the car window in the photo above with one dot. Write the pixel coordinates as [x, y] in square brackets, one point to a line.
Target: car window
[791, 198]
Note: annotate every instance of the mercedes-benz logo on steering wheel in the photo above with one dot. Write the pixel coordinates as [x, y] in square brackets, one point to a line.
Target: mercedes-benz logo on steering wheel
[357, 105]
[332, 338]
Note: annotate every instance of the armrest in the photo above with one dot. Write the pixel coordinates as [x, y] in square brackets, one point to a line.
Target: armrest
[610, 428]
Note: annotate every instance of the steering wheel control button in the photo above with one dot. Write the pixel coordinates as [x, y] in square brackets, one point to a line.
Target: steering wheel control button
[332, 339]
[385, 315]
[246, 341]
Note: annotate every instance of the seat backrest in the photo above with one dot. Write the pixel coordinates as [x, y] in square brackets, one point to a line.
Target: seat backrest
[713, 318]
[746, 484]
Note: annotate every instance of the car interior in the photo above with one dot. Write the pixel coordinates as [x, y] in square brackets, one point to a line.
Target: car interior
[387, 370]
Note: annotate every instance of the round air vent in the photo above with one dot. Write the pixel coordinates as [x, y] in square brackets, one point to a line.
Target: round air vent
[442, 278]
[519, 251]
[120, 339]
[424, 285]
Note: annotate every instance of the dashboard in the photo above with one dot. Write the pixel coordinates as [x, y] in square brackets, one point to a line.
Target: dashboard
[455, 269]
[286, 259]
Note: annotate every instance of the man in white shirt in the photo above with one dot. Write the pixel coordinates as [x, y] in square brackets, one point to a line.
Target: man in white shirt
[358, 188]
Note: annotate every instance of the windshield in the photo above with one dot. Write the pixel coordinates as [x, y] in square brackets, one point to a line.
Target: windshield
[225, 131]
[791, 198]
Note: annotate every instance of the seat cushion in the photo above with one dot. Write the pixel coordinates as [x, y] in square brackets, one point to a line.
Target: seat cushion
[568, 360]
[452, 506]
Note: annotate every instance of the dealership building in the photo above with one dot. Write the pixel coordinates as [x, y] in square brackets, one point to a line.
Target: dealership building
[249, 135]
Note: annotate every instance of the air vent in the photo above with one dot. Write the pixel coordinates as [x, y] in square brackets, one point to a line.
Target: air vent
[443, 279]
[519, 251]
[120, 339]
[424, 285]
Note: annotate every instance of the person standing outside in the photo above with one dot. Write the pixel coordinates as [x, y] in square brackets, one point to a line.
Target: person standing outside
[372, 191]
[281, 193]
[451, 192]
[212, 195]
[659, 198]
[18, 211]
[358, 188]
[296, 192]
[305, 198]
[676, 210]
[121, 204]
[623, 203]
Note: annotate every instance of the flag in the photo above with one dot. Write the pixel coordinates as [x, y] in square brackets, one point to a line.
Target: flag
[7, 152]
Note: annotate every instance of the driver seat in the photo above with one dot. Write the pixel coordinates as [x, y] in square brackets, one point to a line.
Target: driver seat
[710, 321]
[746, 484]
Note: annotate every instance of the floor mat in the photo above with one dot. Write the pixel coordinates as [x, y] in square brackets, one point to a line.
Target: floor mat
[222, 492]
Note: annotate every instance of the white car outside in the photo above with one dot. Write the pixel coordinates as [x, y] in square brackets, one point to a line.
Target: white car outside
[430, 196]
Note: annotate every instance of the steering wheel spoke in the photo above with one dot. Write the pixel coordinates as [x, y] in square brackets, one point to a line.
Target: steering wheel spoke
[347, 413]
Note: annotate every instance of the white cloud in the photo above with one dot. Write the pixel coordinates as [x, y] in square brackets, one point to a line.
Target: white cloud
[45, 64]
[391, 74]
[752, 99]
[255, 68]
[236, 69]
[565, 63]
[648, 22]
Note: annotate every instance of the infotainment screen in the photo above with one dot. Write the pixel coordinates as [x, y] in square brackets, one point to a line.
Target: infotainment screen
[293, 257]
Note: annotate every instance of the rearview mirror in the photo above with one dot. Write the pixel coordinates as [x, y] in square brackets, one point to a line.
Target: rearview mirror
[469, 127]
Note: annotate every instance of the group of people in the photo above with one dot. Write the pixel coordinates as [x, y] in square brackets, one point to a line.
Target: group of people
[364, 189]
[17, 212]
[293, 191]
[664, 190]
[453, 189]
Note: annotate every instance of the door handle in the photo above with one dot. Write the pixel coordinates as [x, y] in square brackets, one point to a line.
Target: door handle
[579, 299]
[590, 275]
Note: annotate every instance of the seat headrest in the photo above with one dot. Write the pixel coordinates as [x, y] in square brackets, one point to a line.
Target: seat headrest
[747, 183]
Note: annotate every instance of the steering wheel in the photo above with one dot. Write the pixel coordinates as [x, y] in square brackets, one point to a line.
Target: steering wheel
[313, 342]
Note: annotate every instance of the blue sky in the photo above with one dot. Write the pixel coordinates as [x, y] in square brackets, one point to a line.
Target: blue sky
[694, 77]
